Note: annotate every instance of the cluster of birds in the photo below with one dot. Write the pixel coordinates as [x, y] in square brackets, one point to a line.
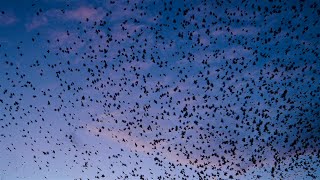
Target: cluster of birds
[165, 90]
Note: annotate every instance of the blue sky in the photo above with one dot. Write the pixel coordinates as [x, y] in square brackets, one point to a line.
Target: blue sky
[159, 90]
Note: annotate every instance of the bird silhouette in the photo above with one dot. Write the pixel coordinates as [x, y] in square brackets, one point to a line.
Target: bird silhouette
[160, 90]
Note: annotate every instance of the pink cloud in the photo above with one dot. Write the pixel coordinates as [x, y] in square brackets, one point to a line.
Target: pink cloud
[137, 144]
[37, 22]
[83, 13]
[80, 14]
[7, 19]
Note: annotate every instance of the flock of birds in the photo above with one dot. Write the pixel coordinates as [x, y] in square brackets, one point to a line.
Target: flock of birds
[165, 90]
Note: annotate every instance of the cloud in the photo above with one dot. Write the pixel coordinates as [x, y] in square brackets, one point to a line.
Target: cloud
[123, 138]
[37, 22]
[82, 13]
[7, 19]
[142, 145]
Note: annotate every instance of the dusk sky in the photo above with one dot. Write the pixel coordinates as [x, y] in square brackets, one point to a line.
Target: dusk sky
[159, 89]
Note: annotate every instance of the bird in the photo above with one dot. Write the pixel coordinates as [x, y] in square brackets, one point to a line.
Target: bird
[160, 90]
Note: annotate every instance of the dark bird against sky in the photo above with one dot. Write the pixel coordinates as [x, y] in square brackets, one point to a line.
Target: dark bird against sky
[159, 89]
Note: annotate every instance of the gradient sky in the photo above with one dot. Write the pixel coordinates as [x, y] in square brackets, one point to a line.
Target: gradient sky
[159, 89]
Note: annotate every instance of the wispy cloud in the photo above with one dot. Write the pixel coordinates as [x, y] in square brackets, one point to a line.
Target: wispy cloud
[84, 12]
[37, 22]
[81, 14]
[7, 19]
[137, 144]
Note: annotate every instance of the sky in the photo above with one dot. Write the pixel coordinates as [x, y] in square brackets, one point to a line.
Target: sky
[159, 89]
